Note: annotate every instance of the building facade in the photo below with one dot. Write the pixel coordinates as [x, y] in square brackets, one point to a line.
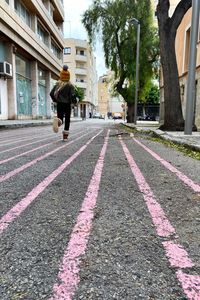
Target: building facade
[79, 57]
[108, 104]
[31, 55]
[182, 56]
[182, 45]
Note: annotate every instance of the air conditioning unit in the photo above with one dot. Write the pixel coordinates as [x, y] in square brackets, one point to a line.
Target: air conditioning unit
[5, 69]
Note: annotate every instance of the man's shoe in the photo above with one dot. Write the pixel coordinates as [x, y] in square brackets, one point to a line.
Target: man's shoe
[56, 124]
[65, 135]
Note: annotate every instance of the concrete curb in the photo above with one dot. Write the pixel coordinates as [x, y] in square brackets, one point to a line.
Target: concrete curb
[28, 123]
[165, 136]
[11, 126]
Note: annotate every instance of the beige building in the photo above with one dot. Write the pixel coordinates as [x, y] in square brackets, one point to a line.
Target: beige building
[103, 96]
[182, 56]
[107, 103]
[79, 57]
[31, 53]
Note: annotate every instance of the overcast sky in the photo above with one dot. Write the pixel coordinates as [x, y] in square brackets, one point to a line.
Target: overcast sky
[73, 27]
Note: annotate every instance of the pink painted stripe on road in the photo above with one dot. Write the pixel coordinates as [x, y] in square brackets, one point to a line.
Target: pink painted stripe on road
[23, 153]
[15, 212]
[162, 224]
[68, 276]
[15, 141]
[21, 146]
[31, 163]
[190, 285]
[27, 152]
[178, 257]
[181, 176]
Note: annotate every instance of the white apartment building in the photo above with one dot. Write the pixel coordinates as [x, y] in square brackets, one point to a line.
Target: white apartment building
[79, 57]
[31, 53]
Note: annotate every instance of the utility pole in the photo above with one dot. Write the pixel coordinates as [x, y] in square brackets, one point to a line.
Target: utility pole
[135, 21]
[191, 88]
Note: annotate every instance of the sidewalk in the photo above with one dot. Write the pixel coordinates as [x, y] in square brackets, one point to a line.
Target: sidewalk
[7, 124]
[178, 137]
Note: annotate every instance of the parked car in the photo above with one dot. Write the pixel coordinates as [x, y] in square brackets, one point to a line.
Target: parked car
[147, 118]
[97, 115]
[117, 116]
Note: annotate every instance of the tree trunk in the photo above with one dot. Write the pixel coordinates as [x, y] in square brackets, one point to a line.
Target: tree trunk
[173, 116]
[130, 113]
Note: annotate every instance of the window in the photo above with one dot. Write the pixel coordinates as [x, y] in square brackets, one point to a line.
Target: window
[23, 67]
[42, 34]
[67, 50]
[41, 77]
[80, 52]
[187, 50]
[22, 12]
[56, 50]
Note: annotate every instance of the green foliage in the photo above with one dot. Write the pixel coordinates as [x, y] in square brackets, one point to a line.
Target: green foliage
[110, 19]
[153, 96]
[79, 93]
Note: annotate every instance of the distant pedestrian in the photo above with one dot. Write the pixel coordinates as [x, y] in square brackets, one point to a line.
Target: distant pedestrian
[63, 94]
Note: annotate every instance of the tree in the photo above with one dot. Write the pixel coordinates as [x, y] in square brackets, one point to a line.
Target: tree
[79, 93]
[173, 116]
[153, 97]
[109, 18]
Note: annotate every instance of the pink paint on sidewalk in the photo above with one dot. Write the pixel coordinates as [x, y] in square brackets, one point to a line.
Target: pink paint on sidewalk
[21, 146]
[162, 224]
[15, 141]
[177, 256]
[181, 176]
[27, 152]
[190, 285]
[16, 211]
[31, 163]
[68, 276]
[23, 153]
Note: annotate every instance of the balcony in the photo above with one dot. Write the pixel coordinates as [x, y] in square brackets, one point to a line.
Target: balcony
[60, 8]
[81, 84]
[79, 57]
[80, 71]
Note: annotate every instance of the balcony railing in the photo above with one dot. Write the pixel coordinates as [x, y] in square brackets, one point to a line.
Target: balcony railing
[81, 71]
[80, 57]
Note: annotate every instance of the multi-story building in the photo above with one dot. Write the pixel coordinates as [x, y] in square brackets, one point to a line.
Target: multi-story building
[108, 104]
[31, 54]
[103, 96]
[182, 45]
[79, 57]
[182, 56]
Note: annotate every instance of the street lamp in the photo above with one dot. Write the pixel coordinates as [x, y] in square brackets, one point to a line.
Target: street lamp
[136, 22]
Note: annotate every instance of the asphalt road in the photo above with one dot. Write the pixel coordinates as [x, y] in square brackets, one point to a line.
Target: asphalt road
[104, 216]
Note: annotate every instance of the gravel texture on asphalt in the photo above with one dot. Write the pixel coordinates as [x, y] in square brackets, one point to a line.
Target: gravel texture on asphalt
[125, 258]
